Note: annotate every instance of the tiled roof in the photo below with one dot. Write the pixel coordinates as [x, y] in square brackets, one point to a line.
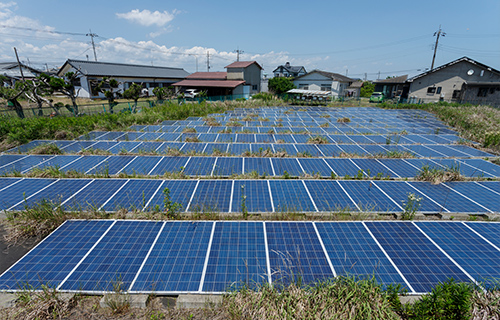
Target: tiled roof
[242, 64]
[331, 75]
[108, 69]
[356, 84]
[290, 69]
[209, 83]
[467, 59]
[400, 79]
[208, 76]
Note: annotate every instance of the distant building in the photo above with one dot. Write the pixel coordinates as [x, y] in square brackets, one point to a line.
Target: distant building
[354, 90]
[287, 70]
[393, 87]
[241, 79]
[462, 80]
[12, 72]
[318, 80]
[92, 73]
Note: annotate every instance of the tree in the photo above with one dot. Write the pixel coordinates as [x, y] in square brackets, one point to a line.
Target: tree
[37, 90]
[280, 85]
[12, 92]
[109, 87]
[133, 93]
[65, 85]
[163, 93]
[367, 89]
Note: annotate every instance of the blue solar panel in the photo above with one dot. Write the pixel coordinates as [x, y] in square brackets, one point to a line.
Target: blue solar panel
[237, 257]
[54, 258]
[134, 195]
[447, 198]
[5, 159]
[6, 182]
[16, 193]
[169, 164]
[78, 146]
[478, 194]
[421, 262]
[329, 196]
[112, 165]
[130, 136]
[124, 146]
[239, 148]
[200, 166]
[353, 251]
[295, 253]
[180, 192]
[193, 147]
[212, 196]
[374, 168]
[30, 145]
[24, 164]
[423, 151]
[84, 164]
[343, 167]
[352, 149]
[55, 193]
[245, 138]
[141, 165]
[316, 167]
[102, 145]
[116, 259]
[262, 166]
[476, 256]
[216, 148]
[285, 137]
[91, 135]
[301, 138]
[290, 196]
[308, 150]
[493, 185]
[251, 195]
[94, 195]
[286, 148]
[289, 165]
[147, 147]
[228, 166]
[149, 136]
[57, 161]
[227, 137]
[264, 138]
[112, 135]
[485, 166]
[176, 261]
[368, 197]
[358, 139]
[489, 230]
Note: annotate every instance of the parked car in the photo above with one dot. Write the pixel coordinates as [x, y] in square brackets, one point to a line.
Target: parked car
[191, 93]
[377, 97]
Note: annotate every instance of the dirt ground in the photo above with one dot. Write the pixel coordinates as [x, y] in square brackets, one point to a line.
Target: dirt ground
[10, 253]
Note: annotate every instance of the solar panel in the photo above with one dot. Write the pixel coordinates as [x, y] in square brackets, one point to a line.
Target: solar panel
[102, 145]
[24, 164]
[476, 256]
[262, 138]
[329, 196]
[194, 147]
[200, 166]
[353, 251]
[374, 168]
[368, 197]
[316, 167]
[287, 166]
[180, 192]
[111, 165]
[147, 147]
[216, 148]
[211, 196]
[353, 149]
[251, 195]
[176, 261]
[485, 166]
[290, 196]
[476, 193]
[124, 146]
[6, 182]
[295, 253]
[239, 148]
[16, 193]
[130, 136]
[56, 162]
[308, 150]
[53, 259]
[115, 260]
[330, 150]
[228, 166]
[142, 165]
[237, 257]
[470, 151]
[84, 164]
[419, 260]
[134, 195]
[94, 195]
[261, 166]
[6, 159]
[169, 164]
[286, 148]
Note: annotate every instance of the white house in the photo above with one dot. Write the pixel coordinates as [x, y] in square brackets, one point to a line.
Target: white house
[126, 74]
[318, 80]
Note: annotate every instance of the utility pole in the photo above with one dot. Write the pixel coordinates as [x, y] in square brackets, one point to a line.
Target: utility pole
[208, 61]
[92, 35]
[19, 63]
[437, 33]
[238, 51]
[366, 76]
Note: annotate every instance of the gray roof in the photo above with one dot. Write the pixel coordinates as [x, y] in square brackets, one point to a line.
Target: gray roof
[400, 79]
[109, 69]
[290, 69]
[467, 59]
[11, 69]
[331, 75]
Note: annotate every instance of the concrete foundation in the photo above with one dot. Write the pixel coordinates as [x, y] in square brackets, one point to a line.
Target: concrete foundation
[7, 300]
[192, 301]
[139, 301]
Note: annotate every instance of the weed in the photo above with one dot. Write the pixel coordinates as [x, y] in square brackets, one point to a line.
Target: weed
[410, 206]
[172, 209]
[189, 130]
[438, 175]
[324, 125]
[234, 124]
[244, 209]
[318, 140]
[48, 148]
[286, 175]
[226, 130]
[343, 120]
[192, 139]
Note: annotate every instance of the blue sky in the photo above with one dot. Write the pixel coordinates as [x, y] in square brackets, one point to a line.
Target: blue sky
[390, 37]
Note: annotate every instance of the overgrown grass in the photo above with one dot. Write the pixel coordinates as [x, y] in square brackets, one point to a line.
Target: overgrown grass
[437, 175]
[478, 123]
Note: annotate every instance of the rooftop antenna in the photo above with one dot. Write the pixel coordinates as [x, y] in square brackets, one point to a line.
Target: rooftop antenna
[238, 51]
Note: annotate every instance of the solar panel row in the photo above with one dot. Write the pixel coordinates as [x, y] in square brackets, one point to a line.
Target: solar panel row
[252, 195]
[260, 166]
[301, 149]
[172, 257]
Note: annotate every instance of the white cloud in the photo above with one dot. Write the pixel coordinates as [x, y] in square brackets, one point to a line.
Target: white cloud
[4, 5]
[148, 18]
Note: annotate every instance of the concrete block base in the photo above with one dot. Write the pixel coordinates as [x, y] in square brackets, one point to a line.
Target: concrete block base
[7, 300]
[192, 301]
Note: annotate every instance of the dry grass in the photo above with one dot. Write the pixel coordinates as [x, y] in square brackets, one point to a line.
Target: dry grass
[95, 152]
[318, 140]
[343, 120]
[189, 130]
[48, 148]
[437, 175]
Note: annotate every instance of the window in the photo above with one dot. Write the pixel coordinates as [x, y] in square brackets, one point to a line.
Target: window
[438, 91]
[482, 92]
[431, 90]
[456, 94]
[154, 84]
[304, 86]
[326, 87]
[255, 87]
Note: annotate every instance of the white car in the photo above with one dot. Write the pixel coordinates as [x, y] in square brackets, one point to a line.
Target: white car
[190, 93]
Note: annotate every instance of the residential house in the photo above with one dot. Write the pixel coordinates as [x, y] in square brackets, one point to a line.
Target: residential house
[287, 70]
[92, 72]
[12, 72]
[354, 90]
[242, 79]
[393, 87]
[462, 80]
[318, 80]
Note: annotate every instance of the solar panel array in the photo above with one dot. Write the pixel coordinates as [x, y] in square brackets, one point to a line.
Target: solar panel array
[263, 195]
[173, 257]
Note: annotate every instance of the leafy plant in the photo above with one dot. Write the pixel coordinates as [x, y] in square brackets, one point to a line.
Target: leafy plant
[410, 206]
[172, 209]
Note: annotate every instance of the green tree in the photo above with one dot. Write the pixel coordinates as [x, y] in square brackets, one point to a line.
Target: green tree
[280, 85]
[133, 93]
[163, 93]
[12, 92]
[109, 87]
[65, 85]
[367, 89]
